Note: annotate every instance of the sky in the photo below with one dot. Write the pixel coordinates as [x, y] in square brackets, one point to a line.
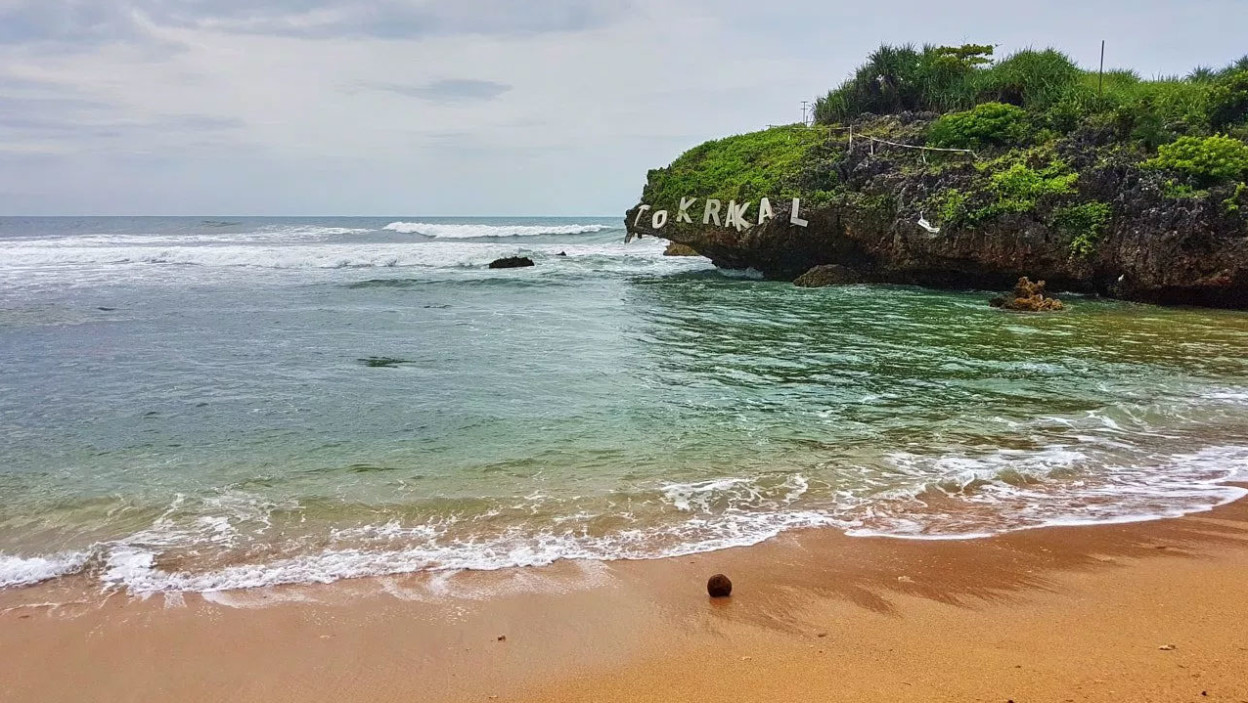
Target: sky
[467, 107]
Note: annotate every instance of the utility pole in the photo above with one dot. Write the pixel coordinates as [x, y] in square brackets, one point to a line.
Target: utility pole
[805, 123]
[1100, 76]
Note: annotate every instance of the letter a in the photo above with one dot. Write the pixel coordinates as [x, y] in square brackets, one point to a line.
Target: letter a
[711, 211]
[795, 215]
[764, 211]
[682, 215]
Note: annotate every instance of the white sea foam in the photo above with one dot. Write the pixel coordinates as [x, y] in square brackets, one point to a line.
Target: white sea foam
[995, 492]
[80, 265]
[136, 570]
[26, 571]
[444, 231]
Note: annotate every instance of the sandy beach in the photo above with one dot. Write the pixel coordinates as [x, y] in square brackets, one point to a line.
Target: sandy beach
[1137, 612]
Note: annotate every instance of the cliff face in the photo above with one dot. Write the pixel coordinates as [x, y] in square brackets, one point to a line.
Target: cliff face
[1081, 213]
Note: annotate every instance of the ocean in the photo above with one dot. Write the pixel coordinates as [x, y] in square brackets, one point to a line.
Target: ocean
[208, 404]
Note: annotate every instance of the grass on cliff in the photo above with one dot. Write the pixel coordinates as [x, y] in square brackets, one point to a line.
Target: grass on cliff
[1055, 93]
[744, 167]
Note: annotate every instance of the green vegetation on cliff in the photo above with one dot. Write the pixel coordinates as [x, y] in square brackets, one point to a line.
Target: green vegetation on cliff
[1049, 143]
[745, 167]
[1057, 94]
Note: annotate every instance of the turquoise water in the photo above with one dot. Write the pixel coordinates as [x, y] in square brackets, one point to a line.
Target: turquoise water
[199, 405]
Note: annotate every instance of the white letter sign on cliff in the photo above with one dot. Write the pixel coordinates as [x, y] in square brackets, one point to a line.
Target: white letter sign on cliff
[764, 211]
[659, 221]
[711, 211]
[736, 215]
[795, 215]
[640, 211]
[682, 215]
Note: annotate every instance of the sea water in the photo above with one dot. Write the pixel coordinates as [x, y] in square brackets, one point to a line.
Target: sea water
[205, 404]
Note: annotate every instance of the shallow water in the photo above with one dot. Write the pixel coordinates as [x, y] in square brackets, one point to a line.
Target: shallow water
[201, 405]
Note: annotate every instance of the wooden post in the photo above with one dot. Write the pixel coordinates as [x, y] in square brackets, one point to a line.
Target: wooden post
[1100, 76]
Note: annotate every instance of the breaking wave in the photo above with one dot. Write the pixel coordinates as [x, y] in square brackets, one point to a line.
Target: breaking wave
[476, 231]
[20, 571]
[218, 545]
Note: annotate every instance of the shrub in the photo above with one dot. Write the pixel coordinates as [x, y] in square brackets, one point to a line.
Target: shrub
[1085, 223]
[896, 79]
[887, 83]
[1182, 191]
[1208, 160]
[1231, 204]
[950, 207]
[1031, 79]
[1019, 181]
[1020, 188]
[987, 124]
[945, 75]
[1228, 100]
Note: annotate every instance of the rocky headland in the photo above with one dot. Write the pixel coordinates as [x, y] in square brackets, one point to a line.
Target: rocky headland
[1134, 190]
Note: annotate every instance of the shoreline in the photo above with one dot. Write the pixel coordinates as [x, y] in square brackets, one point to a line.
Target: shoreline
[816, 615]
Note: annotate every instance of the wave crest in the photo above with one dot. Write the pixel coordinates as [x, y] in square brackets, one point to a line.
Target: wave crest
[489, 231]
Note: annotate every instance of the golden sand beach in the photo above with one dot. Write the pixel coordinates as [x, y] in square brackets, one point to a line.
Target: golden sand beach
[1138, 612]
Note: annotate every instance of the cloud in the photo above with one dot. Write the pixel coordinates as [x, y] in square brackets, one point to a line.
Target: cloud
[535, 107]
[110, 21]
[446, 91]
[58, 119]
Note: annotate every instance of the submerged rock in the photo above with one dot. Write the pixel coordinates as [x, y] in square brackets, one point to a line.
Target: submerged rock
[1027, 297]
[828, 275]
[719, 586]
[678, 249]
[383, 362]
[512, 262]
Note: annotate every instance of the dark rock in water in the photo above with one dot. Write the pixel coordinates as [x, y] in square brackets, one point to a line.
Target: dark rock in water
[512, 262]
[678, 249]
[563, 253]
[719, 586]
[383, 362]
[1027, 297]
[828, 275]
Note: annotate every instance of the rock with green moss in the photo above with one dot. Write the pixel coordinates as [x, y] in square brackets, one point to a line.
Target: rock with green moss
[677, 249]
[828, 275]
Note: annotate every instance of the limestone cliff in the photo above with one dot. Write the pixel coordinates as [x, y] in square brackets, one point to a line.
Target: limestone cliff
[1082, 211]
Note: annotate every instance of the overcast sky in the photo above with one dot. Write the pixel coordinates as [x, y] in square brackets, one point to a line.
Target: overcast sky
[466, 107]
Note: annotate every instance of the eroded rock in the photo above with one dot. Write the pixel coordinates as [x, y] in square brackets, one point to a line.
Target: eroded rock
[1027, 296]
[677, 249]
[828, 275]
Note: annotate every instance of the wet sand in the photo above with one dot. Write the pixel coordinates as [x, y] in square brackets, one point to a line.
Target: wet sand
[1142, 612]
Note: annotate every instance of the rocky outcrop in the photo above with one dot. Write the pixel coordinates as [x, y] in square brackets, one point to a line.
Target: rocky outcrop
[676, 249]
[1027, 297]
[1153, 246]
[828, 275]
[512, 262]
